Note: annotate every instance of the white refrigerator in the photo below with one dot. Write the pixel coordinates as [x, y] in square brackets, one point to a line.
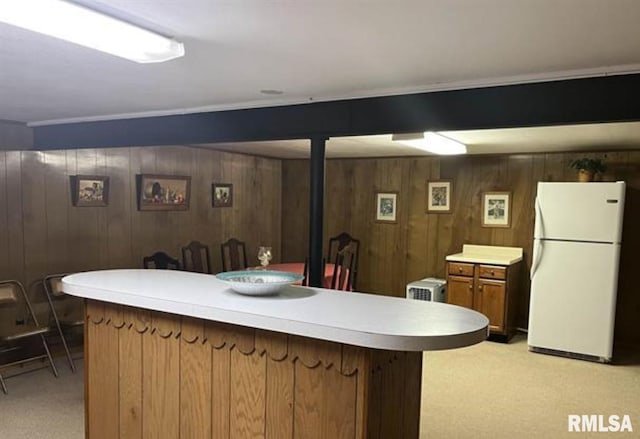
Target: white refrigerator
[574, 269]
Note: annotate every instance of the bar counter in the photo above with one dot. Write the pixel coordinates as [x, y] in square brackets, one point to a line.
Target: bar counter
[173, 354]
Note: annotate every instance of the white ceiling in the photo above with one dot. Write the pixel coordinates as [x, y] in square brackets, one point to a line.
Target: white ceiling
[315, 50]
[588, 137]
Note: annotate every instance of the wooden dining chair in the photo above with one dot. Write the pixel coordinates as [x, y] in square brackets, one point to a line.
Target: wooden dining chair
[65, 312]
[18, 326]
[234, 255]
[343, 270]
[340, 244]
[195, 257]
[162, 261]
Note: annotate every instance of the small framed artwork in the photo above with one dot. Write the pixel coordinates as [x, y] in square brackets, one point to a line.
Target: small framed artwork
[221, 194]
[89, 190]
[496, 209]
[439, 196]
[163, 192]
[386, 207]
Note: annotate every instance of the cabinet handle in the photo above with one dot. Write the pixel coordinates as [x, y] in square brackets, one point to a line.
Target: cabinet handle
[480, 287]
[459, 269]
[493, 273]
[471, 286]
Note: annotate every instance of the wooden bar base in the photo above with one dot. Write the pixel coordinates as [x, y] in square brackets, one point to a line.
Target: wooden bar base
[157, 375]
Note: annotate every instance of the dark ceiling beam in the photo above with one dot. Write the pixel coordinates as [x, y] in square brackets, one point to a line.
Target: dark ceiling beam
[588, 100]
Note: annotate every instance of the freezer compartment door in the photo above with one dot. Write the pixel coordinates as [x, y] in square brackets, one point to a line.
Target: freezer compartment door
[573, 297]
[580, 211]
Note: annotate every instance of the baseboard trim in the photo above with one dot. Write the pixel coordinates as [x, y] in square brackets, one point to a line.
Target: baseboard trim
[572, 355]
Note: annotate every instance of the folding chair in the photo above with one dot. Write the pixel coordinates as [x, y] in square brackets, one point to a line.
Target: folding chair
[65, 311]
[18, 323]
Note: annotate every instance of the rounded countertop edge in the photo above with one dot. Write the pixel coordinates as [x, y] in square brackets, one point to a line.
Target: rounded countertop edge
[355, 337]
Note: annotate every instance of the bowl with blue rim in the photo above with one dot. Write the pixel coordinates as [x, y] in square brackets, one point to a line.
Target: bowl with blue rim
[258, 282]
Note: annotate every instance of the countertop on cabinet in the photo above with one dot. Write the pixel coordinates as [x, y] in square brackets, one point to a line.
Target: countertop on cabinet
[487, 254]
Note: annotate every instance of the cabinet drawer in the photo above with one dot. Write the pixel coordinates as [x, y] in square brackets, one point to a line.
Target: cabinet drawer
[460, 269]
[492, 272]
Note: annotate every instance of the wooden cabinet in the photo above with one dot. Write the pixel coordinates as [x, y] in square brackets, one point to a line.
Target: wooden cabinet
[489, 289]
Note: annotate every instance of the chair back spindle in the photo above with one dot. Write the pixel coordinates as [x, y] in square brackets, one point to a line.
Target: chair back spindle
[341, 245]
[234, 255]
[195, 257]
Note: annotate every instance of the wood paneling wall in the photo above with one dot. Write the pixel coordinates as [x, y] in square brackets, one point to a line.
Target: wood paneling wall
[154, 375]
[42, 233]
[394, 254]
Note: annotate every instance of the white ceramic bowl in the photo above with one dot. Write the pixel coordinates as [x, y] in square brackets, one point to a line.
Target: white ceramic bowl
[258, 282]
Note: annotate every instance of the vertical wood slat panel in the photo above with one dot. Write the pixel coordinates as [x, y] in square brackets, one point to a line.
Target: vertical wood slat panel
[161, 386]
[195, 382]
[220, 392]
[118, 212]
[247, 396]
[57, 213]
[393, 402]
[16, 268]
[279, 399]
[83, 221]
[102, 376]
[412, 394]
[356, 361]
[374, 415]
[308, 396]
[131, 371]
[339, 404]
[34, 216]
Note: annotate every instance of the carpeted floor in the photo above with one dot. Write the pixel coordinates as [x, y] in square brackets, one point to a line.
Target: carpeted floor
[39, 406]
[495, 391]
[491, 390]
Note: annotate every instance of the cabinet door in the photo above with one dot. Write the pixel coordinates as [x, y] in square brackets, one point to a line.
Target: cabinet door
[460, 291]
[490, 301]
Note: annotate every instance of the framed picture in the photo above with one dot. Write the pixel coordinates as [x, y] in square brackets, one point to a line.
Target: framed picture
[221, 195]
[89, 190]
[496, 209]
[163, 192]
[439, 196]
[386, 207]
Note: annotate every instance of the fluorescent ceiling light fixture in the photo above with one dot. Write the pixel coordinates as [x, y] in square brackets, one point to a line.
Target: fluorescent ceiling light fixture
[431, 142]
[80, 25]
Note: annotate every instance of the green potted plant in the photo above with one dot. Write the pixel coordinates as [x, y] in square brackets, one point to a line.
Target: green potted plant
[588, 168]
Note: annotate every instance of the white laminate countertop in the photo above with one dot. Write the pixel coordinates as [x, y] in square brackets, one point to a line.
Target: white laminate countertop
[487, 254]
[358, 319]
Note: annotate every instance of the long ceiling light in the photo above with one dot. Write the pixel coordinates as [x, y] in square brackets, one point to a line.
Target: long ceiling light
[80, 25]
[431, 142]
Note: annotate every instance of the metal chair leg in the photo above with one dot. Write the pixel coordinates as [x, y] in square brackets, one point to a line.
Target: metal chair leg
[62, 337]
[52, 308]
[46, 348]
[4, 387]
[67, 351]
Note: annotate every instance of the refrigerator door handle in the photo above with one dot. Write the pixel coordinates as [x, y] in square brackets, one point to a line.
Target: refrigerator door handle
[537, 243]
[539, 225]
[537, 256]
